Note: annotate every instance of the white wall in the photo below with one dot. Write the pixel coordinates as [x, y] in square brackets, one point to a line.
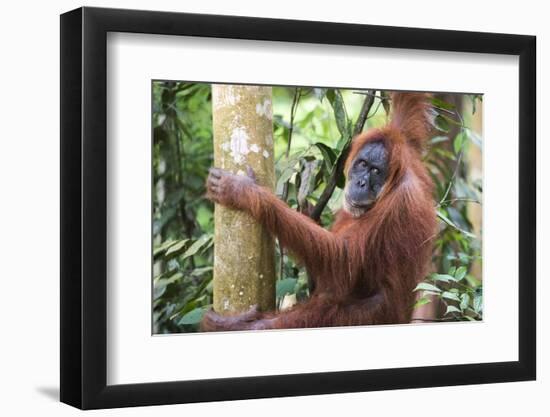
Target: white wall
[29, 172]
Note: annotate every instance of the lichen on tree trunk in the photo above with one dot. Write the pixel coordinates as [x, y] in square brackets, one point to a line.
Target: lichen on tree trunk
[244, 252]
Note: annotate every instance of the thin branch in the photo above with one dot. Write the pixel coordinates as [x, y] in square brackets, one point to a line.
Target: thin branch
[461, 119]
[449, 222]
[431, 237]
[376, 109]
[364, 112]
[449, 202]
[337, 169]
[455, 172]
[295, 100]
[454, 200]
[368, 93]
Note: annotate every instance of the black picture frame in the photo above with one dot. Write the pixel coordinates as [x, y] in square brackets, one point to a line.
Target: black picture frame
[84, 207]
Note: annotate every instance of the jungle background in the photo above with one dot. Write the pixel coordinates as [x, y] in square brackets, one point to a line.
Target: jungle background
[312, 128]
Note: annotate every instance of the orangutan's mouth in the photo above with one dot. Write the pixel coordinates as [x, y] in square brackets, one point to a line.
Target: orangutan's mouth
[361, 206]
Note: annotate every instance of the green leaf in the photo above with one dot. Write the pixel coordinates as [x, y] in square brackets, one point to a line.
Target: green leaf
[283, 178]
[425, 292]
[307, 183]
[465, 301]
[452, 309]
[441, 124]
[422, 301]
[329, 156]
[158, 291]
[193, 317]
[452, 121]
[442, 277]
[478, 303]
[442, 104]
[177, 248]
[426, 286]
[197, 245]
[444, 153]
[168, 278]
[191, 305]
[337, 102]
[450, 296]
[438, 139]
[160, 250]
[160, 284]
[459, 141]
[460, 273]
[285, 163]
[201, 271]
[286, 286]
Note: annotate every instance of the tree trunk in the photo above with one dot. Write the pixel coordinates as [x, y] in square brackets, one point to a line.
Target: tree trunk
[244, 252]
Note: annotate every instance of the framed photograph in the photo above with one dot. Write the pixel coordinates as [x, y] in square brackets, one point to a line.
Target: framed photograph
[258, 208]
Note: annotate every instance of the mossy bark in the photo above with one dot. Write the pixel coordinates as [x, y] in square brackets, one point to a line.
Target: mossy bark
[244, 252]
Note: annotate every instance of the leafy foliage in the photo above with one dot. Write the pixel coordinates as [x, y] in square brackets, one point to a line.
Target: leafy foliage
[312, 129]
[182, 219]
[457, 249]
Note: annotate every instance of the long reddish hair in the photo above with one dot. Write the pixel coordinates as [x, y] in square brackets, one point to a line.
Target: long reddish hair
[393, 250]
